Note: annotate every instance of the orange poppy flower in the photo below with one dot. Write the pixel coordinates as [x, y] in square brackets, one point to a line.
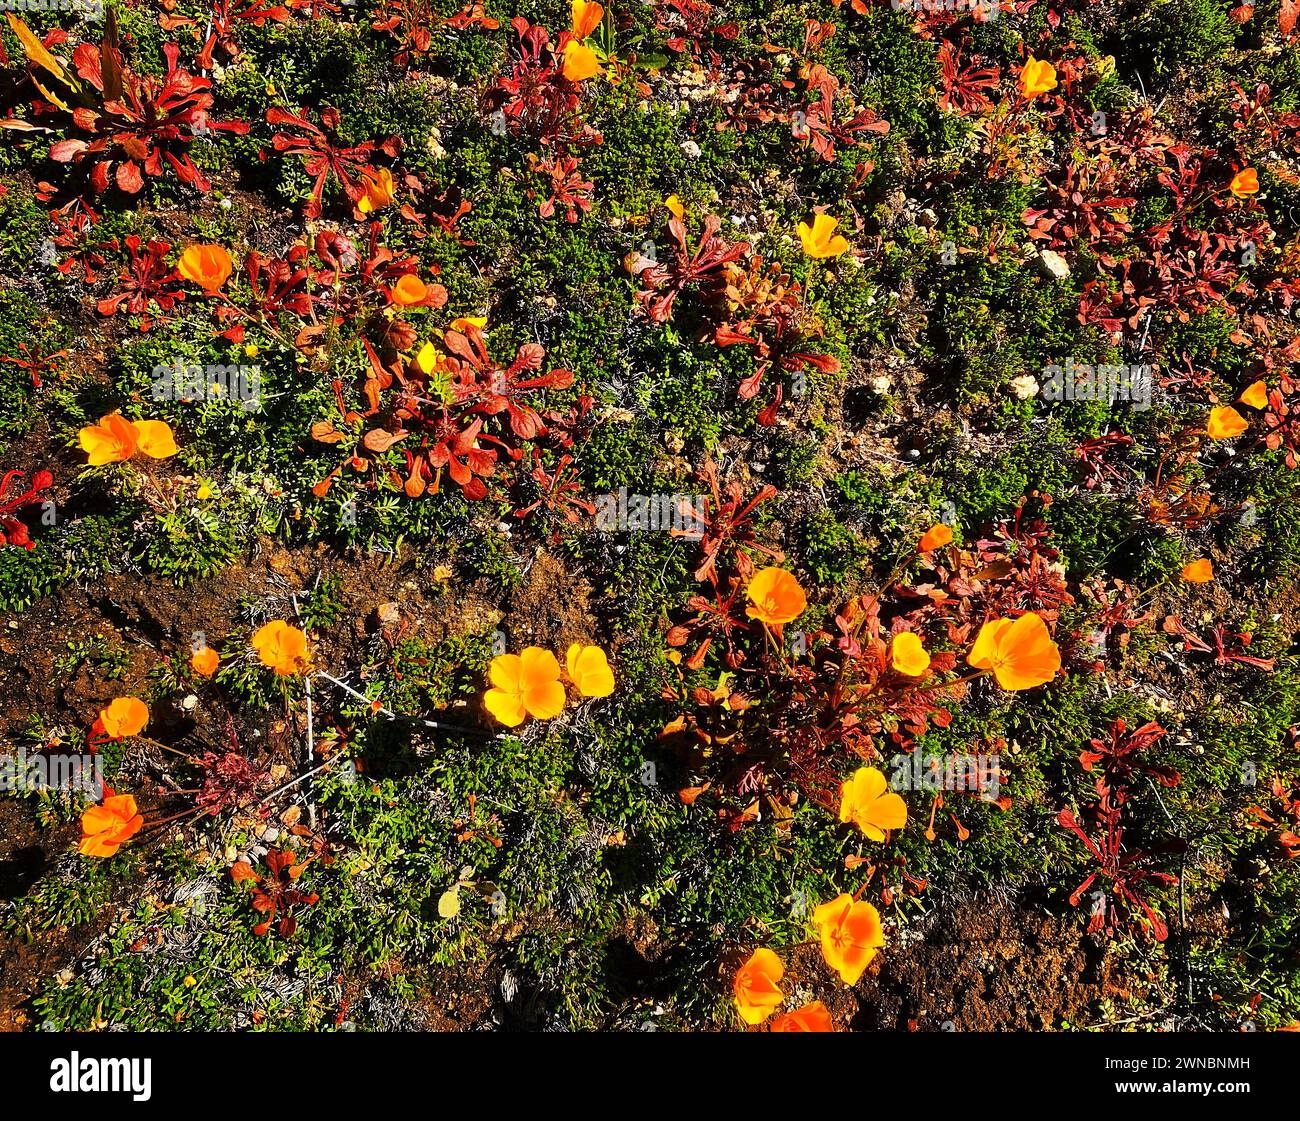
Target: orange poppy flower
[379, 190]
[755, 986]
[580, 61]
[867, 801]
[1020, 652]
[775, 597]
[1037, 78]
[281, 646]
[811, 1017]
[115, 439]
[410, 290]
[934, 538]
[125, 716]
[524, 684]
[1198, 572]
[851, 933]
[112, 440]
[1255, 395]
[155, 439]
[204, 662]
[909, 656]
[208, 266]
[588, 669]
[1245, 183]
[820, 239]
[1225, 423]
[105, 827]
[586, 17]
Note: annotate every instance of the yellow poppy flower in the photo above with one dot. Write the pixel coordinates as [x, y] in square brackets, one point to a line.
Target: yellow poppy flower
[867, 802]
[588, 669]
[524, 684]
[909, 655]
[820, 239]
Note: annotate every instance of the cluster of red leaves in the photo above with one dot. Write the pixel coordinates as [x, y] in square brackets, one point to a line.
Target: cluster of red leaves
[35, 360]
[1119, 758]
[558, 490]
[1015, 570]
[537, 101]
[13, 531]
[276, 893]
[334, 288]
[700, 268]
[230, 781]
[145, 281]
[489, 411]
[1285, 817]
[1226, 645]
[1200, 258]
[862, 704]
[694, 28]
[1126, 870]
[745, 302]
[566, 188]
[1118, 761]
[821, 114]
[723, 523]
[781, 723]
[224, 21]
[413, 23]
[822, 125]
[127, 125]
[71, 226]
[1282, 415]
[325, 155]
[965, 87]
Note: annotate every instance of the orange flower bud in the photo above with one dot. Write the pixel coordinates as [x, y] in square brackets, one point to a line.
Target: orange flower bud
[811, 1017]
[909, 655]
[204, 662]
[935, 537]
[1225, 423]
[379, 190]
[1255, 395]
[851, 933]
[820, 239]
[1245, 183]
[125, 716]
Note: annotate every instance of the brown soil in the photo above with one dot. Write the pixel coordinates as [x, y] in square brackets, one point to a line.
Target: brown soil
[983, 965]
[26, 850]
